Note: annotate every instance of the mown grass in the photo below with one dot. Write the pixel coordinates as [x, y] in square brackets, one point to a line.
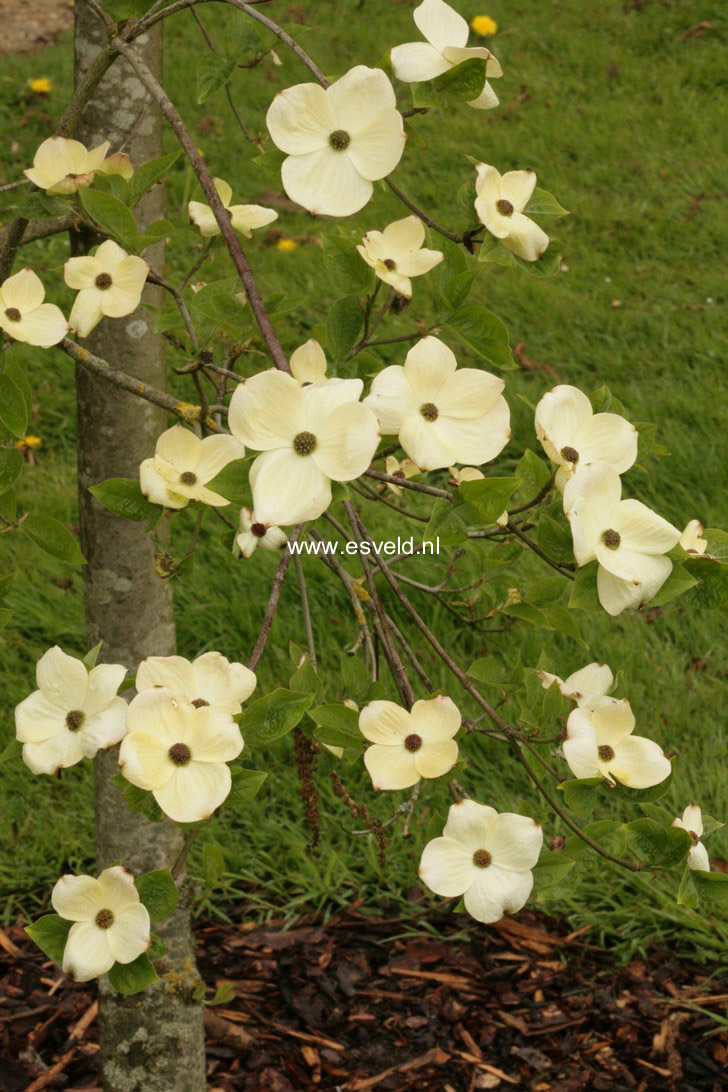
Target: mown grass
[616, 106]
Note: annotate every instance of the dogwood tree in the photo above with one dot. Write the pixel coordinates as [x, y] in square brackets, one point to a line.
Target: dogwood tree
[288, 445]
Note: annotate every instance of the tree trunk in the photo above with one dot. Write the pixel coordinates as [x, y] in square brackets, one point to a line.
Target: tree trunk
[154, 1040]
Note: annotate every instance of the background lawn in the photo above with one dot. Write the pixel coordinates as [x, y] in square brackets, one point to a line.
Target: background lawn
[616, 106]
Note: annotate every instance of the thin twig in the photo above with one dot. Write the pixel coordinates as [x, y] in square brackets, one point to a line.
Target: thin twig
[306, 611]
[275, 594]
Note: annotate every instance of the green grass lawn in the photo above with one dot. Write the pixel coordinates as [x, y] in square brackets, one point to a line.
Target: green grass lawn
[616, 106]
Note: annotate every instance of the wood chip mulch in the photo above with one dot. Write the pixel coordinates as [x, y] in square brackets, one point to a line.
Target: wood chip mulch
[361, 1004]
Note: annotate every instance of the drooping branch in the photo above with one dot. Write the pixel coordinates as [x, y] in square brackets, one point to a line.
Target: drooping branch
[275, 594]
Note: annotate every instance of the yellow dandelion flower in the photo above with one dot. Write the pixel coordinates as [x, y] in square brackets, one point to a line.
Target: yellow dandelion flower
[484, 26]
[286, 246]
[41, 86]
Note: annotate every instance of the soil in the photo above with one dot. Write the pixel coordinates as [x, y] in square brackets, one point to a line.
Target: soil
[29, 25]
[360, 1004]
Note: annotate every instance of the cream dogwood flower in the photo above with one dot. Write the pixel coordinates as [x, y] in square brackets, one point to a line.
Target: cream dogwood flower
[179, 752]
[692, 822]
[110, 922]
[573, 436]
[446, 46]
[442, 414]
[692, 538]
[396, 254]
[64, 166]
[254, 534]
[599, 743]
[409, 745]
[403, 470]
[309, 436]
[587, 686]
[500, 203]
[183, 465]
[244, 218]
[24, 316]
[210, 680]
[338, 140]
[308, 363]
[486, 857]
[110, 284]
[73, 713]
[627, 539]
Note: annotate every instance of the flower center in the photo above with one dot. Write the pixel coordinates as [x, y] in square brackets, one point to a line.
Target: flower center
[304, 443]
[259, 529]
[505, 208]
[481, 858]
[611, 539]
[75, 719]
[429, 411]
[390, 264]
[13, 314]
[694, 837]
[606, 754]
[103, 281]
[199, 703]
[188, 478]
[570, 454]
[399, 474]
[180, 754]
[339, 140]
[413, 742]
[105, 919]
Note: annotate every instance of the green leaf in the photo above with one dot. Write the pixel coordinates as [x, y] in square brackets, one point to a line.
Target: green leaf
[534, 474]
[710, 583]
[488, 671]
[555, 540]
[712, 886]
[603, 401]
[273, 716]
[356, 679]
[92, 655]
[551, 868]
[345, 262]
[52, 537]
[454, 293]
[153, 234]
[445, 524]
[343, 326]
[158, 891]
[484, 333]
[213, 72]
[543, 203]
[462, 81]
[223, 994]
[129, 978]
[232, 483]
[213, 863]
[246, 786]
[13, 408]
[136, 799]
[144, 177]
[679, 581]
[657, 814]
[305, 679]
[717, 543]
[425, 95]
[337, 726]
[123, 497]
[610, 835]
[492, 250]
[641, 796]
[710, 824]
[584, 594]
[50, 933]
[12, 751]
[488, 497]
[649, 840]
[580, 794]
[158, 948]
[111, 214]
[11, 464]
[687, 893]
[15, 372]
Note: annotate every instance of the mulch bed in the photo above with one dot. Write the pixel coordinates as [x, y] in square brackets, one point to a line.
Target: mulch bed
[363, 1004]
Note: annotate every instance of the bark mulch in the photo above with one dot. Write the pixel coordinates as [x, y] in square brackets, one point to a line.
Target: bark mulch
[363, 1004]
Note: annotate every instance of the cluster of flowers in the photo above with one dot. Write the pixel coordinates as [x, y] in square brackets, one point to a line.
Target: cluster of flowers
[628, 540]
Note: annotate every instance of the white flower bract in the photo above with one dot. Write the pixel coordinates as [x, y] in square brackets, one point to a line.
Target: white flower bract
[409, 745]
[499, 204]
[692, 538]
[65, 166]
[24, 316]
[586, 687]
[599, 743]
[254, 534]
[182, 466]
[403, 470]
[179, 753]
[109, 283]
[692, 822]
[573, 436]
[396, 254]
[484, 856]
[442, 414]
[244, 218]
[209, 680]
[110, 923]
[628, 539]
[446, 46]
[308, 436]
[73, 713]
[338, 140]
[308, 363]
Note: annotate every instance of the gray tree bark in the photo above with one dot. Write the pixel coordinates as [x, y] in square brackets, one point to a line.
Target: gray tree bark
[154, 1040]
